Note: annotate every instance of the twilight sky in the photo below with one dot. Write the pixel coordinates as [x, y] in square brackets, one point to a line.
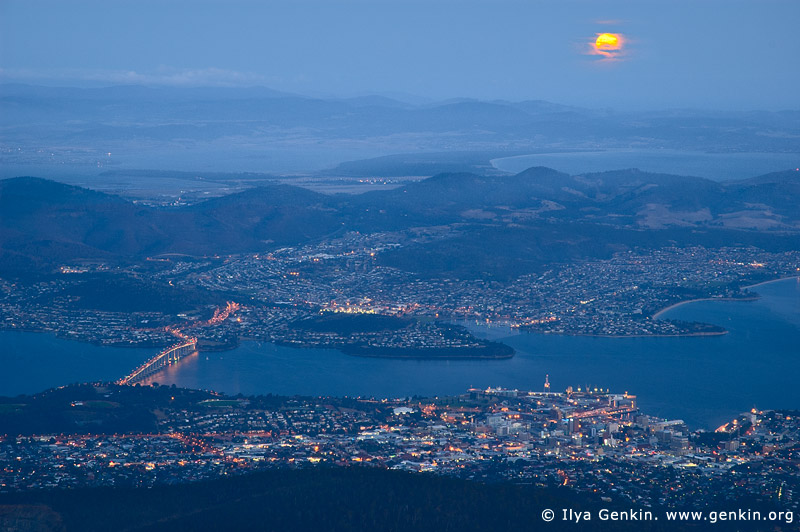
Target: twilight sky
[727, 54]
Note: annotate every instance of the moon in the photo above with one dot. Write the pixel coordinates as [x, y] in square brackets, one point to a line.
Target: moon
[609, 45]
[607, 40]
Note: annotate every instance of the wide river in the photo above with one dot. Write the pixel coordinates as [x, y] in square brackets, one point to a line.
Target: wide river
[703, 380]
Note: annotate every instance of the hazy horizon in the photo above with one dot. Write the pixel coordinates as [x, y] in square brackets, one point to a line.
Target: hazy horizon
[410, 99]
[713, 55]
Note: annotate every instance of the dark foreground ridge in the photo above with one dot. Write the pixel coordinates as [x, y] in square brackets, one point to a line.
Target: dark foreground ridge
[350, 499]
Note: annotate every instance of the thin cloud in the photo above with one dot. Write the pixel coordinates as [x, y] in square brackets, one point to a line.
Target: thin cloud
[168, 76]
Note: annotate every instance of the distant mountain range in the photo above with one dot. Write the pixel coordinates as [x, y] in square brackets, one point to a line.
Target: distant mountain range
[526, 220]
[262, 130]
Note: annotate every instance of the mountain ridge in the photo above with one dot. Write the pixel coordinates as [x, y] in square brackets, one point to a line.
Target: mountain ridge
[44, 222]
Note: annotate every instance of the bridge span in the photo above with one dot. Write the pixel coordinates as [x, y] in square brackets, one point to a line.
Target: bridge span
[174, 353]
[165, 358]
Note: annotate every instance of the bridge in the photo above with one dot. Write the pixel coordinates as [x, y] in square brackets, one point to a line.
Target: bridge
[174, 353]
[167, 357]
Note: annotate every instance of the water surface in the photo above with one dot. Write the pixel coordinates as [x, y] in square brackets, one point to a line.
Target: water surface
[33, 362]
[703, 380]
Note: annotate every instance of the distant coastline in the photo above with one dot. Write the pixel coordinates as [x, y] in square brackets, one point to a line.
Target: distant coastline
[773, 281]
[679, 335]
[681, 303]
[754, 298]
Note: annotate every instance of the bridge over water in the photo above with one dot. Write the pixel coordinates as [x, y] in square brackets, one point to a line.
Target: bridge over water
[167, 357]
[174, 353]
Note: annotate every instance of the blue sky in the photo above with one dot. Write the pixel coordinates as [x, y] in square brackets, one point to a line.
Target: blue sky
[729, 54]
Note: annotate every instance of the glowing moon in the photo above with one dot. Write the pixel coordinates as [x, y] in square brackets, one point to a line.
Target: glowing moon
[607, 40]
[609, 45]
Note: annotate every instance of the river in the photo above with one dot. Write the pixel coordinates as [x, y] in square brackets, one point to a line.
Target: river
[703, 380]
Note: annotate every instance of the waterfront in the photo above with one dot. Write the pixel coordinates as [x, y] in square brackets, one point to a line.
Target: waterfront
[490, 435]
[703, 380]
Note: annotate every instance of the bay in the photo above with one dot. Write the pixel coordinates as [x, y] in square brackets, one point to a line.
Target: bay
[702, 380]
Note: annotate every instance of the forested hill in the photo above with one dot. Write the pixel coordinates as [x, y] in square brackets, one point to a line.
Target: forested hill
[548, 215]
[329, 499]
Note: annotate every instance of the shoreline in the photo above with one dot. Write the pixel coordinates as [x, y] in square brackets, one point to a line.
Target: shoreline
[587, 335]
[680, 303]
[686, 335]
[231, 347]
[57, 336]
[773, 281]
[755, 298]
[430, 357]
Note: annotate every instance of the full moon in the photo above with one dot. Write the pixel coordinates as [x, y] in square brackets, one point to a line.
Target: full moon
[609, 45]
[607, 40]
